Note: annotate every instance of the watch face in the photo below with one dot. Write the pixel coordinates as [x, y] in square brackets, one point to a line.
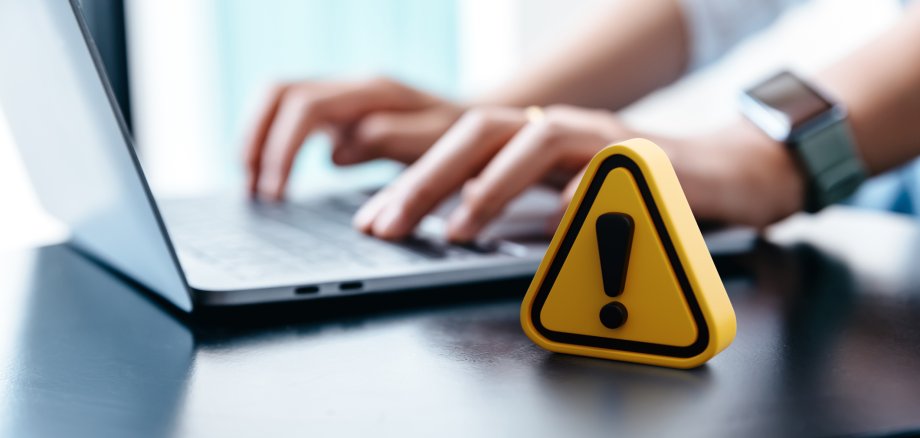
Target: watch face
[791, 97]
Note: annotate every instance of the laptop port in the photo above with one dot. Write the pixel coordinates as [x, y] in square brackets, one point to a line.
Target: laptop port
[306, 290]
[351, 285]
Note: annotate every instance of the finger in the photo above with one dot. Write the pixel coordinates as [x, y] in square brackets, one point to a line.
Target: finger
[458, 155]
[374, 136]
[396, 135]
[363, 219]
[348, 102]
[524, 161]
[565, 199]
[255, 145]
[295, 120]
[304, 107]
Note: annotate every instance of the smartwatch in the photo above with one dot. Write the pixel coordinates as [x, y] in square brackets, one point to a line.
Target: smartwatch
[815, 130]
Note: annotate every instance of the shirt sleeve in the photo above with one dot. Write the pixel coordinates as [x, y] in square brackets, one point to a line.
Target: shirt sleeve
[715, 26]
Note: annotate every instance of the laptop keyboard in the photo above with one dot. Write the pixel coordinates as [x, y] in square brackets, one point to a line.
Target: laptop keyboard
[261, 239]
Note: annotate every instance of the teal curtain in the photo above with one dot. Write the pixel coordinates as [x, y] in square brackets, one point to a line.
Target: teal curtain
[262, 41]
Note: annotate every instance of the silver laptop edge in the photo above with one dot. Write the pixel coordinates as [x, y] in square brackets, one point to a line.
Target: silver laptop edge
[73, 141]
[81, 160]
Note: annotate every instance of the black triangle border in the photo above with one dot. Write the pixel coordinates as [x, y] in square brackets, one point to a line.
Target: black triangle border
[698, 346]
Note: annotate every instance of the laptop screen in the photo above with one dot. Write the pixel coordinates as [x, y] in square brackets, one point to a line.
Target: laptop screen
[105, 20]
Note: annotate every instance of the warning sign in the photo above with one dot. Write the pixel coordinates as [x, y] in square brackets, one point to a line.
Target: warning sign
[627, 275]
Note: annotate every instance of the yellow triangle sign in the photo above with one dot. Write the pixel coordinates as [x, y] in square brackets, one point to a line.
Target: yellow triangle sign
[627, 275]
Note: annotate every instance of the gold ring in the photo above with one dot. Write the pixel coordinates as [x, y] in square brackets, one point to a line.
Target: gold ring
[534, 114]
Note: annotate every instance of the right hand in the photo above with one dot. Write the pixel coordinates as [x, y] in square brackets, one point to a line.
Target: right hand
[378, 118]
[490, 156]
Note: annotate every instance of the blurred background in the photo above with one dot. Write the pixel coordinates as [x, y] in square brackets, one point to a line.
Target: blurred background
[197, 70]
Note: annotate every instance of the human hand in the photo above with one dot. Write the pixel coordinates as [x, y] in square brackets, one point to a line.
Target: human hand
[494, 154]
[735, 175]
[377, 118]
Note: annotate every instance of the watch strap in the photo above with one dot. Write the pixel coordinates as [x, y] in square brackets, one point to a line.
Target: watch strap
[829, 157]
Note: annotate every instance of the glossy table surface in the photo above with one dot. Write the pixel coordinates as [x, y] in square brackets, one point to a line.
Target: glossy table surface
[828, 343]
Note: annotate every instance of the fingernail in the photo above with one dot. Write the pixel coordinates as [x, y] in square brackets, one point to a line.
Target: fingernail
[363, 218]
[460, 226]
[389, 224]
[266, 186]
[469, 188]
[263, 193]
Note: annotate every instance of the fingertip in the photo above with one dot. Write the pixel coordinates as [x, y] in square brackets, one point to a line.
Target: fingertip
[460, 236]
[390, 225]
[363, 219]
[278, 194]
[461, 227]
[470, 188]
[279, 188]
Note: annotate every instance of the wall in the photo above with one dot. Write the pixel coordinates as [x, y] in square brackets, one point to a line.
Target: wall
[193, 146]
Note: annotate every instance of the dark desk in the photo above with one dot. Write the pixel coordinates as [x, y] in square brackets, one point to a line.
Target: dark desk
[828, 343]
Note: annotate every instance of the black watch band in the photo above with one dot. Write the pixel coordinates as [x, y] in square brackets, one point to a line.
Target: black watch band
[816, 132]
[832, 169]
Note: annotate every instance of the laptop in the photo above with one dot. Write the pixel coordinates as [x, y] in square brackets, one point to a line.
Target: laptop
[216, 251]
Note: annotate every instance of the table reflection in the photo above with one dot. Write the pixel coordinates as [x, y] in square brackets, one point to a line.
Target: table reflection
[94, 357]
[819, 351]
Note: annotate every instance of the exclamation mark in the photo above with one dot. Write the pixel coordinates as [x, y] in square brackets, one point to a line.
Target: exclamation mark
[614, 240]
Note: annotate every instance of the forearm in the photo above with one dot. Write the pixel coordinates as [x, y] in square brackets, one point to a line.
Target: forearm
[880, 85]
[755, 181]
[636, 47]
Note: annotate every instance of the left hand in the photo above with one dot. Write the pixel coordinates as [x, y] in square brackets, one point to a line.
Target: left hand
[494, 154]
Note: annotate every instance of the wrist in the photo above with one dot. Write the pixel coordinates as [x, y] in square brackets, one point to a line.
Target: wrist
[756, 181]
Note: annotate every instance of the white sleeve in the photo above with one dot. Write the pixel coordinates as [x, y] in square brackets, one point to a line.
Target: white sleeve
[714, 26]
